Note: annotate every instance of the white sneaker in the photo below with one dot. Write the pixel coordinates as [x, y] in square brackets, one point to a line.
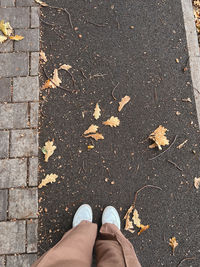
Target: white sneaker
[83, 213]
[110, 215]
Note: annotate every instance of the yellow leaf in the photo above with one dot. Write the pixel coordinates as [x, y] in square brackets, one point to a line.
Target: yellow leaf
[196, 182]
[158, 136]
[43, 56]
[173, 243]
[97, 112]
[143, 228]
[92, 129]
[136, 218]
[48, 84]
[3, 38]
[112, 122]
[95, 136]
[50, 178]
[90, 147]
[16, 38]
[48, 150]
[41, 3]
[129, 223]
[56, 80]
[6, 28]
[65, 67]
[123, 102]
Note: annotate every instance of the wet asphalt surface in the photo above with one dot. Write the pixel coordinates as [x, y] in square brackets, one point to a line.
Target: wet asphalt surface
[142, 61]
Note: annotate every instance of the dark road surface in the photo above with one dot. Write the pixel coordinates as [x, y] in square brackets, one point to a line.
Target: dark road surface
[143, 61]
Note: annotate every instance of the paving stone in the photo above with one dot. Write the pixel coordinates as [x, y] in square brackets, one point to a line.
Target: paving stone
[5, 89]
[25, 3]
[30, 42]
[24, 143]
[23, 203]
[33, 171]
[2, 261]
[32, 230]
[4, 144]
[25, 260]
[13, 172]
[34, 114]
[25, 89]
[34, 63]
[12, 238]
[13, 64]
[13, 115]
[35, 22]
[6, 46]
[7, 3]
[18, 17]
[3, 204]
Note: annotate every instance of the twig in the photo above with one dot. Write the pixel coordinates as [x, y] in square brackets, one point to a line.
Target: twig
[45, 22]
[72, 77]
[95, 24]
[166, 149]
[98, 75]
[84, 76]
[112, 93]
[139, 190]
[155, 95]
[47, 76]
[196, 90]
[173, 163]
[185, 259]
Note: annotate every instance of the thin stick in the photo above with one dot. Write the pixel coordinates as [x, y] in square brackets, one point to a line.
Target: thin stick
[95, 24]
[98, 75]
[155, 95]
[84, 76]
[139, 190]
[185, 259]
[173, 163]
[166, 149]
[112, 93]
[45, 22]
[72, 77]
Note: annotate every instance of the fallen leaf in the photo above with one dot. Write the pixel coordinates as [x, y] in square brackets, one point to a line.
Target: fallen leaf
[3, 38]
[187, 100]
[41, 3]
[92, 129]
[43, 56]
[90, 147]
[143, 228]
[97, 112]
[158, 136]
[136, 218]
[95, 136]
[112, 122]
[177, 60]
[182, 144]
[50, 178]
[173, 243]
[65, 67]
[123, 102]
[56, 80]
[48, 150]
[48, 84]
[6, 28]
[129, 223]
[196, 182]
[16, 38]
[66, 209]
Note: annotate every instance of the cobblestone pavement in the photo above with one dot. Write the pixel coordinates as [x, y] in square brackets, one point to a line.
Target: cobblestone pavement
[19, 98]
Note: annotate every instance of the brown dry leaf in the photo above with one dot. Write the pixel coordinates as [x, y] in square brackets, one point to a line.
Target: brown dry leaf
[158, 136]
[97, 112]
[43, 56]
[173, 243]
[143, 228]
[136, 219]
[112, 122]
[129, 223]
[123, 102]
[95, 136]
[48, 84]
[56, 80]
[92, 129]
[16, 38]
[187, 100]
[50, 178]
[48, 150]
[182, 144]
[3, 38]
[6, 28]
[196, 182]
[41, 3]
[65, 67]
